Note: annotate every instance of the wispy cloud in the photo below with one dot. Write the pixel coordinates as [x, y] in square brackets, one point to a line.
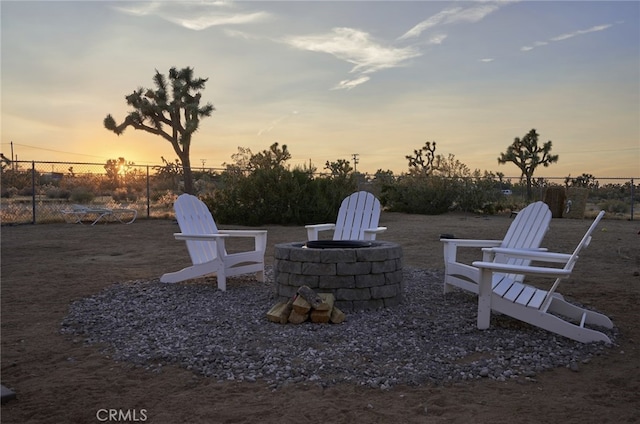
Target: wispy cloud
[277, 121]
[487, 60]
[438, 18]
[355, 47]
[349, 84]
[566, 36]
[452, 16]
[437, 39]
[195, 15]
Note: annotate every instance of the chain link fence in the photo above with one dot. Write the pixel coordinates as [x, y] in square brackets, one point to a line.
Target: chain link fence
[40, 192]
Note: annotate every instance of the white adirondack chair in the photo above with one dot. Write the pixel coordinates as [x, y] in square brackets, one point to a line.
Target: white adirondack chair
[357, 219]
[542, 308]
[525, 232]
[206, 246]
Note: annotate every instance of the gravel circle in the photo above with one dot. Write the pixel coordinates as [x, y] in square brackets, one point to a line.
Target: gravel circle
[430, 339]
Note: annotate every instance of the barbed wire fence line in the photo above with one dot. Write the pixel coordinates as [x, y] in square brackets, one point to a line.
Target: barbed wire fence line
[40, 191]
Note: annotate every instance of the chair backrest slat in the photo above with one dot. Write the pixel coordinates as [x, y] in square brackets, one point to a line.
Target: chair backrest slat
[194, 218]
[526, 232]
[359, 211]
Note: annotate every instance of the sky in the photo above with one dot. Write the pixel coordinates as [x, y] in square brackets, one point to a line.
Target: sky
[373, 80]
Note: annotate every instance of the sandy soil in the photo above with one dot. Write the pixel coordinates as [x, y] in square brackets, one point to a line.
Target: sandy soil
[58, 380]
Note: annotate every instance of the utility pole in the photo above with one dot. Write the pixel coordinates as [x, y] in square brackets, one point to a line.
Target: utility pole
[355, 162]
[203, 162]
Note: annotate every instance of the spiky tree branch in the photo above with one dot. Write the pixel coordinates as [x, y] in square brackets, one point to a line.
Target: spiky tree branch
[171, 111]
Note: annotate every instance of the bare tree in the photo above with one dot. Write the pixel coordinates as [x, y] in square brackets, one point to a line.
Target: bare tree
[528, 155]
[176, 107]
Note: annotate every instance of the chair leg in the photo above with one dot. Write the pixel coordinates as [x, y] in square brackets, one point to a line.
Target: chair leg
[222, 281]
[484, 299]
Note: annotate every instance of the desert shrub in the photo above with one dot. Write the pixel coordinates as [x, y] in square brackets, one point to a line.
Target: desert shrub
[420, 195]
[81, 195]
[615, 206]
[165, 198]
[123, 194]
[476, 195]
[26, 191]
[57, 193]
[277, 196]
[9, 192]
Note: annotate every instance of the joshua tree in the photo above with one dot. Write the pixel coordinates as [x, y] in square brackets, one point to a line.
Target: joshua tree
[340, 168]
[172, 107]
[527, 155]
[421, 162]
[274, 157]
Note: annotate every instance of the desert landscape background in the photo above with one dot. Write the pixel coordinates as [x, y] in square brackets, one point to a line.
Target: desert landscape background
[59, 379]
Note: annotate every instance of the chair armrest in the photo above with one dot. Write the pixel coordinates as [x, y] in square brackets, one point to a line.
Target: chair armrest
[373, 231]
[260, 237]
[312, 230]
[200, 237]
[489, 253]
[370, 233]
[522, 269]
[541, 255]
[471, 242]
[451, 246]
[243, 233]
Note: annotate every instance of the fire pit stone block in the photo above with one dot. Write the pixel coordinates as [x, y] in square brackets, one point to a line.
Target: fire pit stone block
[363, 278]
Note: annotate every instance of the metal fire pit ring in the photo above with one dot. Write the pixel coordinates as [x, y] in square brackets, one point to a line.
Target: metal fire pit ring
[337, 244]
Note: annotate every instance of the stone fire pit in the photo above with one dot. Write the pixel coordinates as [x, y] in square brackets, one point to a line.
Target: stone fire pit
[361, 275]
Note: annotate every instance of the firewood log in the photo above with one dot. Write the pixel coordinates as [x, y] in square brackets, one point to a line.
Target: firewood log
[320, 317]
[310, 296]
[328, 300]
[274, 313]
[296, 318]
[301, 306]
[286, 311]
[337, 316]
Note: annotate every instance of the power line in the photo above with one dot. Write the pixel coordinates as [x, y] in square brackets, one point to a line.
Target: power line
[69, 153]
[55, 151]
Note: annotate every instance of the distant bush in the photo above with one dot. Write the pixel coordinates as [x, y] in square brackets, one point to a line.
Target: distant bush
[57, 193]
[615, 206]
[277, 196]
[164, 198]
[123, 195]
[421, 195]
[26, 191]
[9, 192]
[81, 195]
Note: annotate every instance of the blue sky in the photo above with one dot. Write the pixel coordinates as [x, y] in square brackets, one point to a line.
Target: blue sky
[331, 79]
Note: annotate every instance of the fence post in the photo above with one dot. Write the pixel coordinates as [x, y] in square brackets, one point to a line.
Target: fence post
[33, 192]
[633, 197]
[148, 195]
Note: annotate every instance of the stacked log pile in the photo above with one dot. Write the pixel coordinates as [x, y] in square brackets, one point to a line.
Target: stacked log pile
[307, 305]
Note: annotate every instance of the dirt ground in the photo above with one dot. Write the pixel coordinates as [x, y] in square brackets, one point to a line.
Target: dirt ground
[46, 267]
